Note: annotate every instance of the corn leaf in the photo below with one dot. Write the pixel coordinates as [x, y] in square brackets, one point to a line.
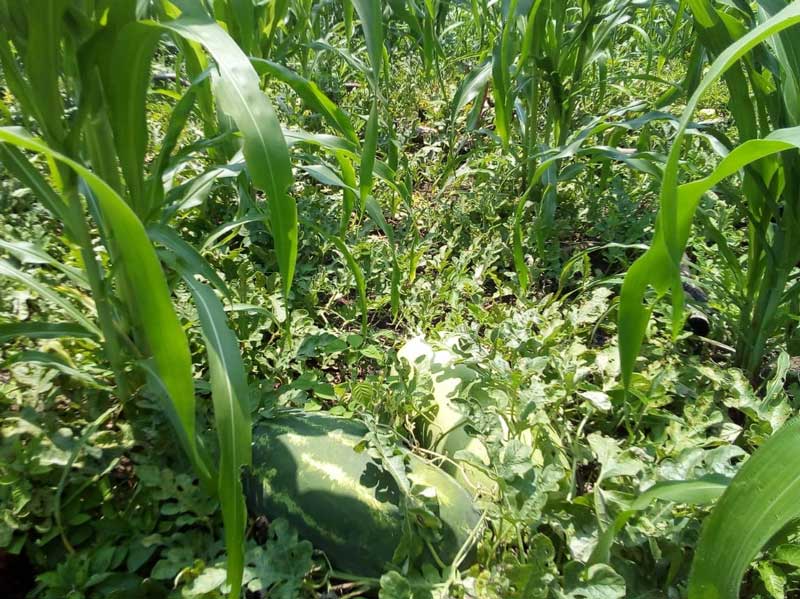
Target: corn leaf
[177, 121]
[265, 151]
[501, 93]
[232, 420]
[368, 155]
[9, 270]
[189, 257]
[371, 16]
[470, 87]
[787, 48]
[375, 213]
[16, 83]
[358, 274]
[324, 174]
[244, 23]
[701, 491]
[323, 140]
[311, 94]
[42, 330]
[347, 9]
[42, 62]
[518, 252]
[213, 238]
[19, 166]
[657, 266]
[348, 175]
[56, 362]
[763, 497]
[28, 253]
[128, 81]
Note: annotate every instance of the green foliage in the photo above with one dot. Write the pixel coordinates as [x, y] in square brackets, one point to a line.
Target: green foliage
[423, 220]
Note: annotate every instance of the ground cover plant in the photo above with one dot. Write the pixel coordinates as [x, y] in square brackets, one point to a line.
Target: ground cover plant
[311, 298]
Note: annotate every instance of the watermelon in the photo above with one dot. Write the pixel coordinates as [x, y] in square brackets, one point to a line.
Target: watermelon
[305, 469]
[447, 432]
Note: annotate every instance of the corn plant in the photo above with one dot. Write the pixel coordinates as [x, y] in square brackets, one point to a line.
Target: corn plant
[80, 72]
[425, 24]
[765, 494]
[771, 247]
[343, 160]
[769, 186]
[549, 62]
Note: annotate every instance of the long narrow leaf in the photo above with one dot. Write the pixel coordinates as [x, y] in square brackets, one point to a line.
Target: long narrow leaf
[9, 270]
[693, 492]
[19, 166]
[311, 94]
[190, 257]
[348, 174]
[232, 420]
[42, 330]
[368, 154]
[763, 497]
[128, 80]
[370, 14]
[29, 253]
[238, 92]
[358, 274]
[42, 60]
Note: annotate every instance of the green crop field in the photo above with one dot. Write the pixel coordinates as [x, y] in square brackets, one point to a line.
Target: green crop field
[402, 299]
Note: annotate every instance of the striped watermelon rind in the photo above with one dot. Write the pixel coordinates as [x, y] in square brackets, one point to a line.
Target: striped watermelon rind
[306, 469]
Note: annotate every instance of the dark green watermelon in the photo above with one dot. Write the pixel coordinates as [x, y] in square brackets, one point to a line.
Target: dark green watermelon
[305, 469]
